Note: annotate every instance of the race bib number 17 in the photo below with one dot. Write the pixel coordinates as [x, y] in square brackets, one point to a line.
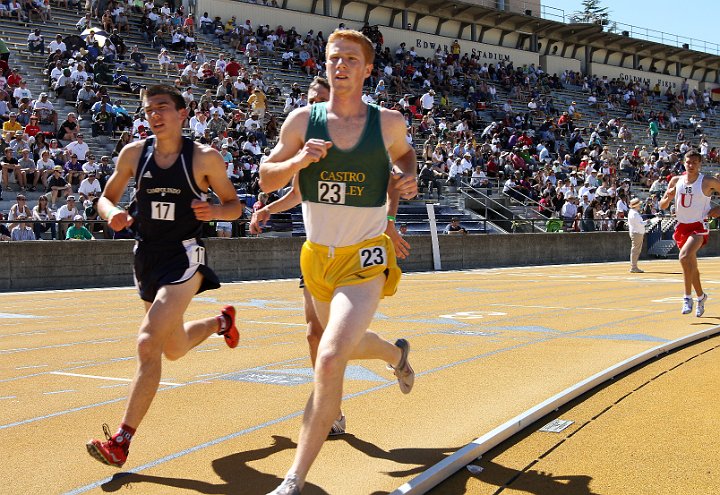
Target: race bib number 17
[162, 211]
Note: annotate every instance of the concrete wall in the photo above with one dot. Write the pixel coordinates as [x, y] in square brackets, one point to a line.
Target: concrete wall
[35, 265]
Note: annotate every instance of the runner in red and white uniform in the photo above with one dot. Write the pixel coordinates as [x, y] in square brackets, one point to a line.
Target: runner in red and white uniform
[691, 193]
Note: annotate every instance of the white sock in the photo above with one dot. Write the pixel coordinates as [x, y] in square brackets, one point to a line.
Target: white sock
[687, 296]
[701, 296]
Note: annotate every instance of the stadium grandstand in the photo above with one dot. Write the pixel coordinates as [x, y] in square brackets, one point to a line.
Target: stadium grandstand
[520, 122]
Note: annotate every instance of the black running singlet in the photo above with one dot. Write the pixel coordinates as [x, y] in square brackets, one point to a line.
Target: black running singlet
[162, 210]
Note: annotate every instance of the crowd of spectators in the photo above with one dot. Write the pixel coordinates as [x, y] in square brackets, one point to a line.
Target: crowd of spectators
[574, 162]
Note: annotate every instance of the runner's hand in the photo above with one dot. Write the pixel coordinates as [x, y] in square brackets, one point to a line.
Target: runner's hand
[259, 220]
[203, 210]
[405, 185]
[313, 151]
[120, 220]
[402, 247]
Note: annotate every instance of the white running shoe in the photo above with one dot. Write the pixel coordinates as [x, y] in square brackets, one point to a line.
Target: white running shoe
[289, 486]
[404, 372]
[338, 426]
[701, 305]
[687, 305]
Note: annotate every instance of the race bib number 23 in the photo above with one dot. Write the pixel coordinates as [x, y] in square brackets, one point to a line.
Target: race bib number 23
[372, 256]
[331, 192]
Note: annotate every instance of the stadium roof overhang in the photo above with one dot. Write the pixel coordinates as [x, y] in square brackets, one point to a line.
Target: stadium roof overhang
[579, 34]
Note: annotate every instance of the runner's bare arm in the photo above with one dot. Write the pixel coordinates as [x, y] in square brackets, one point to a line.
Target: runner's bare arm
[290, 200]
[402, 155]
[215, 173]
[127, 163]
[669, 194]
[292, 153]
[402, 247]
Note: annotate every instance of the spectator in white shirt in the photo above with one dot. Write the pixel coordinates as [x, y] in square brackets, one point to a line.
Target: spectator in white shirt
[78, 147]
[89, 186]
[636, 226]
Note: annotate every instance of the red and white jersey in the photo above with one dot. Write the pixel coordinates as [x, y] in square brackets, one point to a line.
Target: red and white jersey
[691, 204]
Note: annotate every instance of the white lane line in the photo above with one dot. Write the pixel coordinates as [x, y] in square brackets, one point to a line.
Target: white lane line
[114, 386]
[276, 323]
[58, 392]
[8, 397]
[541, 306]
[208, 350]
[31, 367]
[23, 334]
[78, 375]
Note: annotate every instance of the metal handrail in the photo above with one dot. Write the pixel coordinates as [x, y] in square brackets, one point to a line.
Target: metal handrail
[556, 14]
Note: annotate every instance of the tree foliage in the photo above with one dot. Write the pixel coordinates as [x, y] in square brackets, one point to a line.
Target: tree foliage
[592, 13]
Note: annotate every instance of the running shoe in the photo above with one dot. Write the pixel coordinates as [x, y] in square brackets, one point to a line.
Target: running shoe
[687, 305]
[701, 305]
[109, 452]
[404, 372]
[338, 426]
[232, 336]
[289, 486]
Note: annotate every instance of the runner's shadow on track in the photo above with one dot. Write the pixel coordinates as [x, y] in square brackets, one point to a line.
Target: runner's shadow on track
[413, 456]
[529, 481]
[525, 481]
[233, 469]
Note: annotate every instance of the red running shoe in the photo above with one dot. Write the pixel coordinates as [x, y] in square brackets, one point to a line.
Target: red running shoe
[232, 336]
[110, 452]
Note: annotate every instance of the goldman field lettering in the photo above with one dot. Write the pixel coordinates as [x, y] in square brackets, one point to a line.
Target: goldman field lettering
[647, 81]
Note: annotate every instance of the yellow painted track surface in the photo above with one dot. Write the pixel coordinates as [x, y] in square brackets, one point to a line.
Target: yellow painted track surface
[486, 346]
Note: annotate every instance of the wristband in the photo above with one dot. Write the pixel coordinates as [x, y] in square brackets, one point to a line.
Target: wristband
[391, 218]
[113, 211]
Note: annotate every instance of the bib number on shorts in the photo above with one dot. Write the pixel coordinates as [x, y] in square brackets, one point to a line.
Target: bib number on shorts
[331, 192]
[373, 256]
[162, 211]
[196, 255]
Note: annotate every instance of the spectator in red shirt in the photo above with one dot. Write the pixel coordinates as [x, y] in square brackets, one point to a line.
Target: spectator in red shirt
[14, 79]
[233, 67]
[32, 128]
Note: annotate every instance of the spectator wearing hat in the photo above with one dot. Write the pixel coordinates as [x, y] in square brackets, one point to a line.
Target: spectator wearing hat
[74, 173]
[22, 231]
[90, 185]
[77, 231]
[636, 226]
[105, 169]
[57, 185]
[65, 214]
